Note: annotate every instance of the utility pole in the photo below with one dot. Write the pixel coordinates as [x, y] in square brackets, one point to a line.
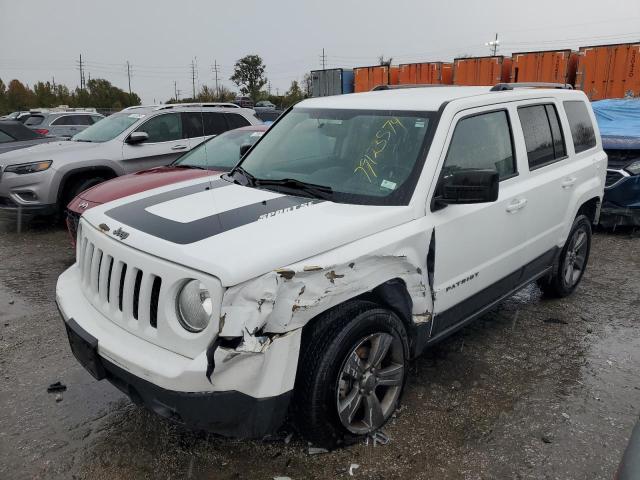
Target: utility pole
[81, 74]
[176, 92]
[193, 79]
[129, 76]
[53, 80]
[269, 87]
[216, 70]
[493, 45]
[324, 58]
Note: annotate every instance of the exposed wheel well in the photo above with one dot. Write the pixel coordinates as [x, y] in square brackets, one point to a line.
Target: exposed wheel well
[393, 295]
[72, 178]
[589, 208]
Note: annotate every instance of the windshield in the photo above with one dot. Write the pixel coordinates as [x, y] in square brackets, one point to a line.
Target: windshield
[108, 128]
[362, 156]
[221, 152]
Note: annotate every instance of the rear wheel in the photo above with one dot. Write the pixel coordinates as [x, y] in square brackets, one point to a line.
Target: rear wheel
[351, 373]
[572, 262]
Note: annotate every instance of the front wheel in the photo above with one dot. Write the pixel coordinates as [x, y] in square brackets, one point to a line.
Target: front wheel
[351, 374]
[572, 262]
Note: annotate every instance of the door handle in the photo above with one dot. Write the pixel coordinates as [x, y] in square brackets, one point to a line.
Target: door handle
[178, 147]
[568, 182]
[516, 205]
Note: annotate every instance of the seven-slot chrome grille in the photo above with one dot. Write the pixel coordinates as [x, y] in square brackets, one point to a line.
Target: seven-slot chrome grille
[137, 291]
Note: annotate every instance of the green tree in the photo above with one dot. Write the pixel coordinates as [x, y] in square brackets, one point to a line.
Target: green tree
[19, 96]
[4, 107]
[45, 95]
[293, 95]
[248, 74]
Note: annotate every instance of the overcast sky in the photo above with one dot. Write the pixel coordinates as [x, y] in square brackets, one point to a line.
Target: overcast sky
[41, 39]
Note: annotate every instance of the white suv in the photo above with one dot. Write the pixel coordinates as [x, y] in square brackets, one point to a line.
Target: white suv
[357, 232]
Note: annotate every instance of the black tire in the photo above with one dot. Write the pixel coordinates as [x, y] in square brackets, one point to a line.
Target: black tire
[562, 282]
[77, 188]
[327, 343]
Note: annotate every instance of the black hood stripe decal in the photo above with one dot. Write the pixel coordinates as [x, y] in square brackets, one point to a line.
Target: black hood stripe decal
[135, 215]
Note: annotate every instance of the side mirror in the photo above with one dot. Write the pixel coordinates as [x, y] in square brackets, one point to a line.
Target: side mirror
[137, 137]
[244, 149]
[469, 186]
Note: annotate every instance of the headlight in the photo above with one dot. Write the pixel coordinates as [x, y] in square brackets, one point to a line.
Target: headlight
[33, 167]
[634, 168]
[194, 306]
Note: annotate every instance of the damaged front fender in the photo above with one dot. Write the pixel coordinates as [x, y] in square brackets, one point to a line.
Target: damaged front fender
[285, 300]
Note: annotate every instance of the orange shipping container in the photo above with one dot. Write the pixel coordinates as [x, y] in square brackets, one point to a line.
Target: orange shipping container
[365, 78]
[609, 71]
[426, 73]
[481, 70]
[556, 66]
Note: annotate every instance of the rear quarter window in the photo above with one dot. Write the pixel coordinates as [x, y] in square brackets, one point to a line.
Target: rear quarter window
[34, 120]
[582, 132]
[236, 121]
[542, 134]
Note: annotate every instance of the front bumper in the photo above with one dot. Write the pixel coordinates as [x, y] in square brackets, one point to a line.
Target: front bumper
[249, 392]
[228, 413]
[9, 208]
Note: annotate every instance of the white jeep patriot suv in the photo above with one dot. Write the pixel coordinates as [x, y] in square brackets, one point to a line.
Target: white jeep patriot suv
[357, 232]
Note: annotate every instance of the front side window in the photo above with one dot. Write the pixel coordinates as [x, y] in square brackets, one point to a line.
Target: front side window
[542, 134]
[482, 142]
[163, 128]
[221, 152]
[108, 128]
[362, 156]
[582, 132]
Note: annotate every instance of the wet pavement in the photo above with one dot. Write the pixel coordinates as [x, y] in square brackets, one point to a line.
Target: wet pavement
[536, 389]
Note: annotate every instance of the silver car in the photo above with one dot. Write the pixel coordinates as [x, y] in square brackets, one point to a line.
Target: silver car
[41, 180]
[61, 123]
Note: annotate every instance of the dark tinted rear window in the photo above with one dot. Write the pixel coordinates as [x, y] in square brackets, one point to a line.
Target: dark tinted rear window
[582, 132]
[236, 121]
[542, 134]
[81, 120]
[215, 123]
[34, 120]
[192, 125]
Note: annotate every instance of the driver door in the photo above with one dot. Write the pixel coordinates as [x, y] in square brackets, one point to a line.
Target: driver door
[166, 143]
[478, 247]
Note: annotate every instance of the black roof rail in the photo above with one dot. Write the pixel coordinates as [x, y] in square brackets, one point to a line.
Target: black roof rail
[409, 85]
[501, 87]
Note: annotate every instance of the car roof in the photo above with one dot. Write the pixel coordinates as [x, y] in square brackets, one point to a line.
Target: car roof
[428, 98]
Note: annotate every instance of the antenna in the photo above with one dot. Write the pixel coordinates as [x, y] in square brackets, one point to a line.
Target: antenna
[493, 45]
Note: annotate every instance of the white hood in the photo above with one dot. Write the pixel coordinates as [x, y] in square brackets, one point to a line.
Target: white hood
[237, 233]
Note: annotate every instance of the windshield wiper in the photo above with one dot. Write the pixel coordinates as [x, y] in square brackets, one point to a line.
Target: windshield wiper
[319, 191]
[82, 140]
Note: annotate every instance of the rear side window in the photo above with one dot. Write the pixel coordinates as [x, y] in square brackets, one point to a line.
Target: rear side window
[34, 120]
[96, 118]
[582, 132]
[163, 128]
[192, 124]
[236, 121]
[542, 134]
[81, 120]
[215, 123]
[482, 141]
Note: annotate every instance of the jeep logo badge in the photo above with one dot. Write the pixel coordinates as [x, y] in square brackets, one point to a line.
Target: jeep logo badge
[120, 233]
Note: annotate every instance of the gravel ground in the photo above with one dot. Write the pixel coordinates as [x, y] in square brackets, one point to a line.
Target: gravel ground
[536, 389]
